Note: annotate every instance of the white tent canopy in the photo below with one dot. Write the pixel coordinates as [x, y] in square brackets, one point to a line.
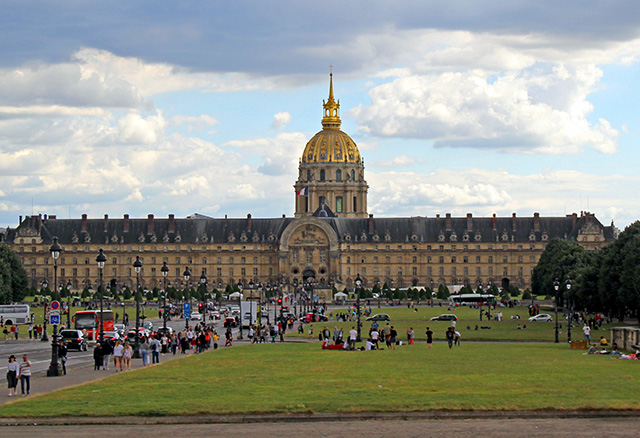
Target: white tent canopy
[236, 295]
[340, 295]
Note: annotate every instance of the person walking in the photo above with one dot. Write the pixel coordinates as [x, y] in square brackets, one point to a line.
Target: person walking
[97, 357]
[450, 334]
[144, 351]
[410, 335]
[429, 334]
[353, 335]
[155, 346]
[117, 355]
[17, 331]
[107, 350]
[587, 333]
[25, 375]
[393, 336]
[12, 376]
[127, 353]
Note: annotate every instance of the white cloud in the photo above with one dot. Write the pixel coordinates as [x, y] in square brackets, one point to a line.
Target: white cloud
[398, 161]
[280, 120]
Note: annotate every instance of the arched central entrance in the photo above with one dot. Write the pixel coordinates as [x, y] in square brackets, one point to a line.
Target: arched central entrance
[308, 275]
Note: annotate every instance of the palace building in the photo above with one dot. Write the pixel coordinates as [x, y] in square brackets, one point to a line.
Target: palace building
[330, 240]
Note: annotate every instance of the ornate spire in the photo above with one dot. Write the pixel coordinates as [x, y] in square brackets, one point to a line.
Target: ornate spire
[331, 119]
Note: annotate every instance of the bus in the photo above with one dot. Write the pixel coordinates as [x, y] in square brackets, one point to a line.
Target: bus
[471, 300]
[12, 314]
[89, 322]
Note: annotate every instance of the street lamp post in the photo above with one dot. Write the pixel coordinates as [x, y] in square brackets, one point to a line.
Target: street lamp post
[556, 286]
[45, 286]
[55, 250]
[137, 266]
[165, 272]
[187, 275]
[570, 307]
[489, 285]
[358, 285]
[203, 283]
[101, 260]
[68, 304]
[240, 287]
[251, 286]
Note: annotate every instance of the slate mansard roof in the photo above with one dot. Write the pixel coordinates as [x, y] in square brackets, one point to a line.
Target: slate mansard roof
[199, 229]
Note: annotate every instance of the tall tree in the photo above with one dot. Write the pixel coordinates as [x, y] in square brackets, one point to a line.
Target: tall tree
[13, 277]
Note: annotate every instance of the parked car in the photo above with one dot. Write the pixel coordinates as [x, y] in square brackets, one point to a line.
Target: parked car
[542, 317]
[379, 317]
[74, 339]
[445, 317]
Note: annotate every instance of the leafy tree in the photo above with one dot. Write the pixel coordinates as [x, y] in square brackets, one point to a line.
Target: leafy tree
[13, 277]
[526, 295]
[126, 294]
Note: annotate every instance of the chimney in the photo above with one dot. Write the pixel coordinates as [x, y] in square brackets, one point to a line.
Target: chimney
[574, 219]
[172, 223]
[536, 222]
[20, 220]
[84, 223]
[150, 224]
[106, 223]
[513, 222]
[495, 222]
[587, 217]
[370, 224]
[126, 223]
[447, 223]
[469, 222]
[53, 217]
[249, 222]
[437, 215]
[45, 217]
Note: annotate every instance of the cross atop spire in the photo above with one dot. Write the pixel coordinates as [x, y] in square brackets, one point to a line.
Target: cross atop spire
[331, 117]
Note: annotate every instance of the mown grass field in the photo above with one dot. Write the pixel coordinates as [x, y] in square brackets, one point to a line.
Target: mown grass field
[506, 330]
[302, 378]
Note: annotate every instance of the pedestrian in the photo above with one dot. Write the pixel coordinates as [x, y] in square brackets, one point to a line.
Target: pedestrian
[144, 351]
[30, 330]
[228, 338]
[450, 334]
[62, 354]
[587, 333]
[97, 357]
[410, 335]
[127, 353]
[429, 334]
[117, 355]
[215, 338]
[393, 335]
[456, 338]
[107, 350]
[5, 332]
[12, 376]
[25, 375]
[353, 336]
[154, 346]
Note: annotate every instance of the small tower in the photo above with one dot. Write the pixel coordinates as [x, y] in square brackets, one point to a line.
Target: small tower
[331, 170]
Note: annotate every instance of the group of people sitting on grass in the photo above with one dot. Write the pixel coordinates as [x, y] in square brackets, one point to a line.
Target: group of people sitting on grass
[614, 352]
[388, 334]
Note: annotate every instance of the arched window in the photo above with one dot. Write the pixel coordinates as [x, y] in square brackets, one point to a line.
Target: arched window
[353, 175]
[338, 175]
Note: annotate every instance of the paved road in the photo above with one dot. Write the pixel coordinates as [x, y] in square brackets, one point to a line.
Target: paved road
[535, 428]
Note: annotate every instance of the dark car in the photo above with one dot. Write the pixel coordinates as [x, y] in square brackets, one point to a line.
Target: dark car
[445, 317]
[74, 339]
[230, 322]
[379, 317]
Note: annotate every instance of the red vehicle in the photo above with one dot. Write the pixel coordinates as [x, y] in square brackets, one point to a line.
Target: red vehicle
[89, 322]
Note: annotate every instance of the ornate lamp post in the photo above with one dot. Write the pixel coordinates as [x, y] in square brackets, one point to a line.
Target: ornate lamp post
[137, 266]
[203, 284]
[55, 251]
[556, 286]
[68, 287]
[187, 275]
[240, 287]
[570, 307]
[358, 285]
[45, 286]
[251, 286]
[165, 272]
[101, 259]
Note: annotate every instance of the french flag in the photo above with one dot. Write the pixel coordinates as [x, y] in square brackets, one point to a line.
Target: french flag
[303, 192]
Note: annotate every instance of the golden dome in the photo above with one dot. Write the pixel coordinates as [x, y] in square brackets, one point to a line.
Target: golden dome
[331, 145]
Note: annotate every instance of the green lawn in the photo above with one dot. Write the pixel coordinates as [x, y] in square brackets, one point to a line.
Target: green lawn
[294, 377]
[505, 330]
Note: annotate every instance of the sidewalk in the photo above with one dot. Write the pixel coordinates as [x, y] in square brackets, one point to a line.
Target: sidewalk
[78, 376]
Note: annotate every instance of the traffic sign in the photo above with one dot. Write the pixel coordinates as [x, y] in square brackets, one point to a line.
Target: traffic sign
[54, 319]
[55, 305]
[187, 307]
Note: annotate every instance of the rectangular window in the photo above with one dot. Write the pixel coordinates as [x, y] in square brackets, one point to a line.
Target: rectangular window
[153, 272]
[387, 271]
[490, 271]
[429, 271]
[441, 271]
[255, 271]
[339, 204]
[62, 272]
[375, 271]
[243, 272]
[355, 204]
[478, 272]
[219, 272]
[415, 270]
[364, 271]
[453, 271]
[466, 271]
